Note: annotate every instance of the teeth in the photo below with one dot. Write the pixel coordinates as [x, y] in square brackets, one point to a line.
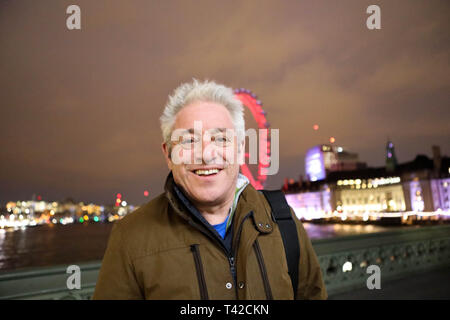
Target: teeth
[206, 172]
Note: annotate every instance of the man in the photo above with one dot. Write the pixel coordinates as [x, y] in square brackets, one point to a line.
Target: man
[210, 235]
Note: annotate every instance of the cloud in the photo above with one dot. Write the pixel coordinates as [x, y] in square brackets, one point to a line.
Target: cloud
[80, 109]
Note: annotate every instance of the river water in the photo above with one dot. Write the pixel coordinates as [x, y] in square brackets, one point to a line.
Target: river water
[49, 245]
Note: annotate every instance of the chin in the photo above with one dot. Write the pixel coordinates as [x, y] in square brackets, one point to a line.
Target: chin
[208, 196]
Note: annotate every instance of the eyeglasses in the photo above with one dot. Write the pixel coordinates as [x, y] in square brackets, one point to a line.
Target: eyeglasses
[191, 141]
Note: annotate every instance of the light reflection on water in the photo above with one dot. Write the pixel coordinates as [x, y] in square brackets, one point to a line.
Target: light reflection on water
[49, 245]
[2, 240]
[321, 231]
[63, 245]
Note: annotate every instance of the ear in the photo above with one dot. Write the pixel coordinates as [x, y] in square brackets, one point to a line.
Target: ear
[166, 151]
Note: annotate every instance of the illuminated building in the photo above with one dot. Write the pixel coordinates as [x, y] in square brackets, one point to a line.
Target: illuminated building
[418, 187]
[441, 189]
[322, 159]
[310, 200]
[379, 194]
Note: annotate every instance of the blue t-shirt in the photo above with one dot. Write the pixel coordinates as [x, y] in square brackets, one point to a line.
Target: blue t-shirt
[221, 228]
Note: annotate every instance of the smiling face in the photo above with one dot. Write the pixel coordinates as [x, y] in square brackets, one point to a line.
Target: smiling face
[204, 161]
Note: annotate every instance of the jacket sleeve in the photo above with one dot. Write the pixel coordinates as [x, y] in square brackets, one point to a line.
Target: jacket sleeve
[116, 279]
[310, 282]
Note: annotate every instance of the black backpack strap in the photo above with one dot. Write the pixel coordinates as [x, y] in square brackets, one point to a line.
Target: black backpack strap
[281, 214]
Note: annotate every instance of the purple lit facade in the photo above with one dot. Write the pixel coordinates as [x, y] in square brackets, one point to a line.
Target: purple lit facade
[322, 159]
[310, 205]
[441, 194]
[314, 164]
[416, 196]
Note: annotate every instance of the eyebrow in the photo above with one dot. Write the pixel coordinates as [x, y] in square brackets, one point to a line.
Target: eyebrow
[220, 130]
[214, 130]
[184, 131]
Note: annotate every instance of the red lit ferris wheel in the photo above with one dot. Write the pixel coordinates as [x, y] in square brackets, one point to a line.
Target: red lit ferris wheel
[250, 100]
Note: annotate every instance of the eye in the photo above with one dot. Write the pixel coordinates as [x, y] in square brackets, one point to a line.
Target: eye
[189, 140]
[222, 139]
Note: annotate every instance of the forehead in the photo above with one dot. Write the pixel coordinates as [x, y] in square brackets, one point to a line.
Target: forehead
[212, 115]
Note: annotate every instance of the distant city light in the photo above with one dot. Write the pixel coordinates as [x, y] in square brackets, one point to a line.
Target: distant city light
[22, 214]
[340, 149]
[316, 127]
[332, 140]
[119, 196]
[146, 193]
[371, 183]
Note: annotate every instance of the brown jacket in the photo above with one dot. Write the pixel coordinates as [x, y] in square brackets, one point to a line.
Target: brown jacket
[160, 252]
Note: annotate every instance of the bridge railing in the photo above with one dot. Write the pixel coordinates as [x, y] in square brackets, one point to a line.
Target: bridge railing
[398, 254]
[343, 260]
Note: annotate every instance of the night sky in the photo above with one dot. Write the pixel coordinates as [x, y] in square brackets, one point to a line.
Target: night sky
[79, 109]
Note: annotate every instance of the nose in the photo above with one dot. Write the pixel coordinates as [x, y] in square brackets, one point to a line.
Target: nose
[209, 152]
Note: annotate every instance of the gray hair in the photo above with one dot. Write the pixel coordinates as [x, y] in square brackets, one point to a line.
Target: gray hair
[207, 91]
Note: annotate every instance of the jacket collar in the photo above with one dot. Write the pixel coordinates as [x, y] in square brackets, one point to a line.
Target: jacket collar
[254, 201]
[171, 196]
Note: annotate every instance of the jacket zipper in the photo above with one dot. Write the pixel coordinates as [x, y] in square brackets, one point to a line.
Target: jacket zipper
[232, 267]
[200, 273]
[227, 253]
[230, 255]
[262, 267]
